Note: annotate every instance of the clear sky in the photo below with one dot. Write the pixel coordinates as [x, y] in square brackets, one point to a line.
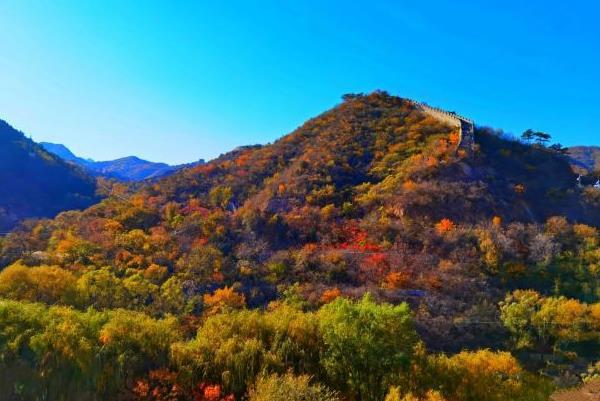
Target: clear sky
[176, 81]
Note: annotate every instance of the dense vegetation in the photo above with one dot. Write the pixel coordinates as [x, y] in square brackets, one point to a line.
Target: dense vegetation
[362, 257]
[36, 183]
[586, 158]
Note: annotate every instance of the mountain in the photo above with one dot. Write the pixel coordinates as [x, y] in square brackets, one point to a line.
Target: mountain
[129, 168]
[586, 157]
[61, 151]
[379, 214]
[35, 183]
[376, 172]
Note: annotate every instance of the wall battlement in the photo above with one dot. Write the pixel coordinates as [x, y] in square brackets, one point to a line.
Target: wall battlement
[465, 125]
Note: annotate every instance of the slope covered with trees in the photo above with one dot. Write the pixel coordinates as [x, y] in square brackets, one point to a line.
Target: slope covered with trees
[36, 183]
[586, 157]
[364, 256]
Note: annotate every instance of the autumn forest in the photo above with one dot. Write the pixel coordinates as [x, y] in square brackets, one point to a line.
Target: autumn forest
[363, 257]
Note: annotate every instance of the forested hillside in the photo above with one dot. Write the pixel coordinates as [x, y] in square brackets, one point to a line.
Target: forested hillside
[586, 157]
[364, 256]
[36, 183]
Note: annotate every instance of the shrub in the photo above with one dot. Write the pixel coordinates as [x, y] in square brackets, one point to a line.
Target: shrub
[289, 388]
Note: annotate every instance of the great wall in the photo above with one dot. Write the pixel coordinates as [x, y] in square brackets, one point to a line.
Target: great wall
[465, 125]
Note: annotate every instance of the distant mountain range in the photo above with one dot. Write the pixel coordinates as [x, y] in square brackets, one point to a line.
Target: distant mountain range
[36, 183]
[130, 168]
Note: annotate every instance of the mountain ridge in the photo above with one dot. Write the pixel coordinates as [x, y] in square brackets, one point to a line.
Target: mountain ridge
[128, 168]
[36, 183]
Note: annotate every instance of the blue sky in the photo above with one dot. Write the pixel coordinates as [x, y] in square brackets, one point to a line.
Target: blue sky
[178, 81]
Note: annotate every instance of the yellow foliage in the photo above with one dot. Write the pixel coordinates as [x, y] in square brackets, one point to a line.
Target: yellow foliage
[471, 375]
[394, 394]
[224, 298]
[396, 280]
[431, 395]
[520, 188]
[488, 363]
[49, 284]
[497, 221]
[587, 234]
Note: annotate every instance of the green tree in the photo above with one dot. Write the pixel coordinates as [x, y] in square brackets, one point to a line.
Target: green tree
[528, 135]
[102, 289]
[542, 138]
[367, 346]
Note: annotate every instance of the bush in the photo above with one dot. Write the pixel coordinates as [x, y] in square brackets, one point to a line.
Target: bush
[289, 388]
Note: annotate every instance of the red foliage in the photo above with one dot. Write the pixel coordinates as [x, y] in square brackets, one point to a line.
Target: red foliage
[200, 242]
[377, 259]
[358, 241]
[444, 226]
[160, 385]
[454, 138]
[194, 206]
[205, 169]
[211, 392]
[374, 267]
[330, 295]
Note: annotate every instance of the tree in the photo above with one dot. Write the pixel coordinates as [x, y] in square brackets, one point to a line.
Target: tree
[102, 289]
[542, 138]
[517, 314]
[131, 342]
[220, 196]
[478, 376]
[431, 395]
[558, 148]
[223, 299]
[172, 296]
[49, 284]
[366, 345]
[289, 388]
[548, 324]
[201, 264]
[330, 295]
[528, 135]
